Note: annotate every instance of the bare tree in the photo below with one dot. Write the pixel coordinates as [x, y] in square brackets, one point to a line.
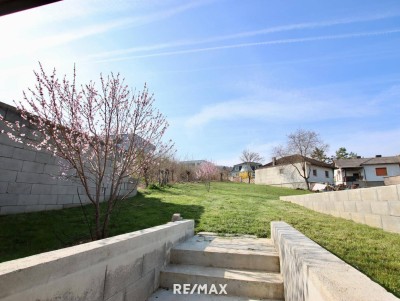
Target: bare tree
[103, 135]
[249, 157]
[299, 147]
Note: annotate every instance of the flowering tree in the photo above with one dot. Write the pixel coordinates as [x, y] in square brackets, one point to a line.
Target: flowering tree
[205, 172]
[104, 136]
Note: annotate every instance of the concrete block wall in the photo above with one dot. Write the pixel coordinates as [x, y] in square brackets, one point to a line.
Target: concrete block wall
[29, 179]
[124, 267]
[376, 206]
[311, 273]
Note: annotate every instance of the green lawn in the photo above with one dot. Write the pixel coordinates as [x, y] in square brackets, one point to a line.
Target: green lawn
[227, 208]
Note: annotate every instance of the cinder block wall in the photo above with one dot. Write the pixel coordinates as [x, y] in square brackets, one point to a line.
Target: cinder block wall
[124, 267]
[377, 206]
[29, 179]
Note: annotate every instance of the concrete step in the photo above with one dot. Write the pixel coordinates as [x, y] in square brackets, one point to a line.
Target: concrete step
[250, 284]
[227, 252]
[168, 295]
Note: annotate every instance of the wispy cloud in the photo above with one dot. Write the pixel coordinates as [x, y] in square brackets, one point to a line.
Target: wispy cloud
[274, 105]
[240, 35]
[262, 43]
[16, 43]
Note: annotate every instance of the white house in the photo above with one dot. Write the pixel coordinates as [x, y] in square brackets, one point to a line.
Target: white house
[284, 172]
[366, 172]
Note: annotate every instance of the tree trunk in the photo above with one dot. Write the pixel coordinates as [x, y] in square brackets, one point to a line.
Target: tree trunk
[97, 221]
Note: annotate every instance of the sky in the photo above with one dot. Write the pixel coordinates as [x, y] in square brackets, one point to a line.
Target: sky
[229, 75]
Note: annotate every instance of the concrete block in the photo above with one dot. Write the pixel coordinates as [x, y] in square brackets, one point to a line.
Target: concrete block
[12, 209]
[345, 215]
[4, 140]
[380, 207]
[83, 198]
[53, 207]
[122, 272]
[363, 206]
[143, 288]
[51, 169]
[354, 195]
[19, 188]
[47, 199]
[34, 178]
[3, 187]
[63, 199]
[341, 195]
[29, 166]
[24, 154]
[6, 150]
[70, 205]
[10, 164]
[35, 208]
[391, 223]
[358, 217]
[336, 213]
[42, 189]
[117, 297]
[43, 157]
[339, 206]
[324, 196]
[155, 258]
[63, 189]
[394, 208]
[369, 194]
[373, 220]
[28, 199]
[350, 206]
[332, 196]
[8, 176]
[330, 206]
[387, 193]
[8, 199]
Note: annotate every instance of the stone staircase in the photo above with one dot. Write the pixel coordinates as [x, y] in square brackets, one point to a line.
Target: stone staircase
[241, 268]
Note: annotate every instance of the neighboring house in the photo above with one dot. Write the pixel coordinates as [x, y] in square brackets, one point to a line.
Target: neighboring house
[282, 172]
[366, 172]
[243, 167]
[193, 163]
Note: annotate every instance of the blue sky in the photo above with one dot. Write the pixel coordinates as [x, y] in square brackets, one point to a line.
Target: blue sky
[229, 74]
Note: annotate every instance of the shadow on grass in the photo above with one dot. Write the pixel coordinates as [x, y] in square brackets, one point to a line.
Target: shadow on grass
[27, 234]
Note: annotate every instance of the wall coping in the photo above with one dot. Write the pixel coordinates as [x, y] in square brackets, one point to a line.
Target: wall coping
[47, 257]
[310, 272]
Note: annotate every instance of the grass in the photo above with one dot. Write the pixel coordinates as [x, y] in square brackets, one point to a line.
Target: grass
[228, 208]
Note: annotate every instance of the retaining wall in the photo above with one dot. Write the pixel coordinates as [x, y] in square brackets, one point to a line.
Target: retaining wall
[29, 179]
[376, 206]
[392, 180]
[124, 267]
[311, 273]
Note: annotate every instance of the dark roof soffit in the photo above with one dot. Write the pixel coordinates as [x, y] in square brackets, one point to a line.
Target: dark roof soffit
[13, 6]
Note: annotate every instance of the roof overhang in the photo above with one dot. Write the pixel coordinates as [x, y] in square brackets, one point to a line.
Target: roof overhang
[13, 6]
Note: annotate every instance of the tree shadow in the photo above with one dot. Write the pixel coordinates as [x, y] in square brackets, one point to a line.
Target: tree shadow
[137, 213]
